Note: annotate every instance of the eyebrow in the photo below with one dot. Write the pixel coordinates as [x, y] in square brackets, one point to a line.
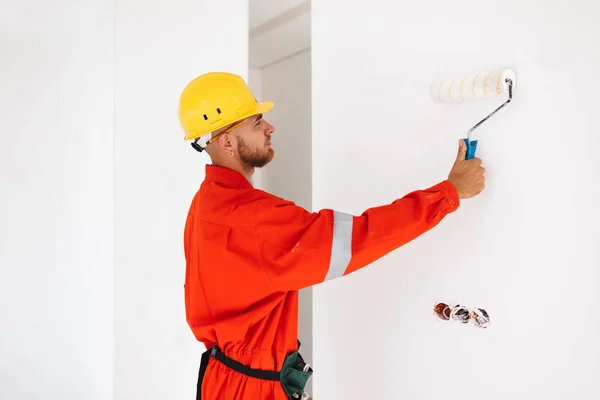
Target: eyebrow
[258, 117]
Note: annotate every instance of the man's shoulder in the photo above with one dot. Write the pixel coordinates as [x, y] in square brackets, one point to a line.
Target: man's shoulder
[235, 205]
[265, 199]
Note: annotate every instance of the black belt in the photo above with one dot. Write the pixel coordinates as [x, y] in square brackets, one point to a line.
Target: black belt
[233, 364]
[293, 379]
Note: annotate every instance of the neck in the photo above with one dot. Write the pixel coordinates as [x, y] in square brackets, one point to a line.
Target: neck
[246, 172]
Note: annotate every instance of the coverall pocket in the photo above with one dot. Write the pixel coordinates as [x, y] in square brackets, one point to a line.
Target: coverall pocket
[294, 375]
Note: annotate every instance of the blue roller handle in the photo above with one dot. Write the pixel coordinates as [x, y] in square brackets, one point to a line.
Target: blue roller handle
[471, 148]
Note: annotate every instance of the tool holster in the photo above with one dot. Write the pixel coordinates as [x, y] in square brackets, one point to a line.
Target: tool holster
[293, 375]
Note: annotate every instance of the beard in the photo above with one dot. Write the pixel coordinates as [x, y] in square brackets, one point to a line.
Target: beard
[254, 158]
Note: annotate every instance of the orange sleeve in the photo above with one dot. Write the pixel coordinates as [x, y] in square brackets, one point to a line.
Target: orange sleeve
[301, 248]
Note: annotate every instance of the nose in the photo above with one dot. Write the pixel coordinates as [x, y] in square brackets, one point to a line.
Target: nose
[269, 129]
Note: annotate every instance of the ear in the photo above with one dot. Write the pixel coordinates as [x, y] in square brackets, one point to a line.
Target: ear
[225, 142]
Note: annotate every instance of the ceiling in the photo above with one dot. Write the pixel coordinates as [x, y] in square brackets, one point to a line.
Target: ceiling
[278, 29]
[263, 10]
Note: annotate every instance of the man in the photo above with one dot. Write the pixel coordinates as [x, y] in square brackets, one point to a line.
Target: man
[249, 252]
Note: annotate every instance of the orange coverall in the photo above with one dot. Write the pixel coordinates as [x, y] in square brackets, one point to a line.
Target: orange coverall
[249, 252]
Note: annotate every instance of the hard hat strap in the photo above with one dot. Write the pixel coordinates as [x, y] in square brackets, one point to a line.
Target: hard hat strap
[200, 149]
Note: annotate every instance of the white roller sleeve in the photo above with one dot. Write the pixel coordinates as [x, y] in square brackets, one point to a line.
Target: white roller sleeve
[475, 85]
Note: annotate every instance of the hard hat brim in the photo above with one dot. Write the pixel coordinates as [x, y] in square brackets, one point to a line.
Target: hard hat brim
[263, 107]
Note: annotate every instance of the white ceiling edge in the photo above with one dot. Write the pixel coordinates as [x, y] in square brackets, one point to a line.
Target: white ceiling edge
[261, 11]
[281, 17]
[282, 36]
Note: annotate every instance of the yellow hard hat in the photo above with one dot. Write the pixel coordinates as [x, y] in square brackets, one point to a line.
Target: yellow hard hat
[214, 100]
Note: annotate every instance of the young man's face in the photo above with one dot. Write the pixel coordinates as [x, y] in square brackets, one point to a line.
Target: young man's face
[254, 142]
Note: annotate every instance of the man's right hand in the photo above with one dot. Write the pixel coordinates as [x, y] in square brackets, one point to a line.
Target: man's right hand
[466, 175]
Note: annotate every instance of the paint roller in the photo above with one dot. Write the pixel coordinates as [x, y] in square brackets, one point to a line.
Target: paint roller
[474, 86]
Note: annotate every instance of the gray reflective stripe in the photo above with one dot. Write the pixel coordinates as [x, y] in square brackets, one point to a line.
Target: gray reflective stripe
[341, 247]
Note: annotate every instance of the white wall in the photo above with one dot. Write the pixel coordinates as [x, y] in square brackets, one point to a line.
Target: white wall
[288, 83]
[56, 200]
[526, 249]
[161, 46]
[255, 84]
[93, 161]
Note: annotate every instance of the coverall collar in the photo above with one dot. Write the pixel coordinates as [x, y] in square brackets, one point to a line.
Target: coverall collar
[226, 176]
